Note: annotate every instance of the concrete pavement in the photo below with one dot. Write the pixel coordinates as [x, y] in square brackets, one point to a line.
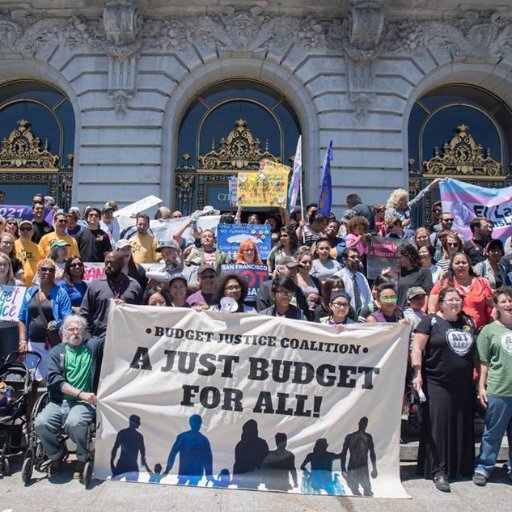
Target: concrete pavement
[68, 495]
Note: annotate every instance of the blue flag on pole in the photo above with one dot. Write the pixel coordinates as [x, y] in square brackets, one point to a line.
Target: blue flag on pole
[293, 189]
[325, 195]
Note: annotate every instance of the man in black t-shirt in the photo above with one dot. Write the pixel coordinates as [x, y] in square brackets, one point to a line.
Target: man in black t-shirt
[39, 226]
[93, 242]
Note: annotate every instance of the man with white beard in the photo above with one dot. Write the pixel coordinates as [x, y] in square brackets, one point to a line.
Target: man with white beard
[73, 373]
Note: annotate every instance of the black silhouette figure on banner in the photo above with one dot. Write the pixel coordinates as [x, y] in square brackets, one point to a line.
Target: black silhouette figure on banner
[156, 475]
[359, 444]
[249, 454]
[224, 478]
[131, 443]
[320, 477]
[195, 454]
[279, 465]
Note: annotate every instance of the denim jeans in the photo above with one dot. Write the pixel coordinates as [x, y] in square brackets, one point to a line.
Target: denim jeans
[49, 422]
[498, 420]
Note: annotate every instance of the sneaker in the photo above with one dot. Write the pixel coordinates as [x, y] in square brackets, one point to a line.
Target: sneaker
[479, 479]
[441, 483]
[78, 469]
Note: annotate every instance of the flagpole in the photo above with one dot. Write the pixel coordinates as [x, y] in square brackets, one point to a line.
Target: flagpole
[301, 192]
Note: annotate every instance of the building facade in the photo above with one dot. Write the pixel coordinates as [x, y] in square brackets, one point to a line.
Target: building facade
[139, 97]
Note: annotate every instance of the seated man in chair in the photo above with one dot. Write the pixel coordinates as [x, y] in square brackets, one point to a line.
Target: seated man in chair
[73, 373]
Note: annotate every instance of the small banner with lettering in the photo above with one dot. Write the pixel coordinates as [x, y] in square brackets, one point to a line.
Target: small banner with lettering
[11, 298]
[268, 187]
[246, 401]
[255, 275]
[382, 253]
[229, 237]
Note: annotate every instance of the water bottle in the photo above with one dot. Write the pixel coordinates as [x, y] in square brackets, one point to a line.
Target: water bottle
[64, 410]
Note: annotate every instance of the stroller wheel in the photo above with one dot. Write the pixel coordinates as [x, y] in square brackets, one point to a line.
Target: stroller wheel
[87, 475]
[26, 470]
[7, 467]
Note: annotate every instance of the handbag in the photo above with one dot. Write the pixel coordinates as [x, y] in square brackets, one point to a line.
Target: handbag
[52, 330]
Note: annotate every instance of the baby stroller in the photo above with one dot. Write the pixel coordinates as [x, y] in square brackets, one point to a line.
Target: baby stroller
[16, 380]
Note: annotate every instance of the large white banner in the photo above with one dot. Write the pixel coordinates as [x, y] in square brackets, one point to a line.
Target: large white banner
[250, 401]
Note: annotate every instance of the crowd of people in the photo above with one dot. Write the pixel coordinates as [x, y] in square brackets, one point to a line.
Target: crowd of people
[453, 293]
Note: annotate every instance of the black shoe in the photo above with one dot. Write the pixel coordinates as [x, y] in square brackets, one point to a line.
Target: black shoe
[479, 479]
[441, 483]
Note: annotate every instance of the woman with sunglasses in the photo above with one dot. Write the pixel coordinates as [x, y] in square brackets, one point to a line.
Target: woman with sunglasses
[283, 291]
[442, 362]
[7, 247]
[8, 330]
[44, 308]
[286, 246]
[451, 244]
[73, 282]
[11, 227]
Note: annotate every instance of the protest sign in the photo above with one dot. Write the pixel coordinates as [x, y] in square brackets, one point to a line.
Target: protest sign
[255, 275]
[24, 212]
[382, 253]
[268, 187]
[229, 237]
[139, 206]
[93, 271]
[11, 298]
[466, 201]
[205, 396]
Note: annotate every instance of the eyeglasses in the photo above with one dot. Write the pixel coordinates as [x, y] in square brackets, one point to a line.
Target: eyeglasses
[447, 220]
[92, 215]
[388, 300]
[248, 250]
[288, 293]
[76, 265]
[340, 304]
[28, 228]
[452, 244]
[50, 270]
[233, 288]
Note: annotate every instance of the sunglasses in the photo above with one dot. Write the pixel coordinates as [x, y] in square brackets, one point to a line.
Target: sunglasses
[61, 221]
[11, 223]
[76, 265]
[28, 228]
[50, 270]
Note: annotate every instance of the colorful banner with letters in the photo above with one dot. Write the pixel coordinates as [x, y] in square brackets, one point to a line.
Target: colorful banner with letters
[233, 400]
[466, 201]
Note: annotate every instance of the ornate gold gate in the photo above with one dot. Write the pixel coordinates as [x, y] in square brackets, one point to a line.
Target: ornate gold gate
[461, 158]
[24, 160]
[208, 182]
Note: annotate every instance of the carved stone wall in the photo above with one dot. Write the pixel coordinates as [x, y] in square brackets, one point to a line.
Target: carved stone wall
[358, 72]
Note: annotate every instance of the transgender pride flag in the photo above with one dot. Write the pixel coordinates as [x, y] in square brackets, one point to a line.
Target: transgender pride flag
[466, 201]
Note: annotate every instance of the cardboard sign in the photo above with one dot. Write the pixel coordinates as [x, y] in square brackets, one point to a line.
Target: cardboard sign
[255, 275]
[268, 187]
[229, 237]
[93, 271]
[11, 298]
[138, 206]
[382, 253]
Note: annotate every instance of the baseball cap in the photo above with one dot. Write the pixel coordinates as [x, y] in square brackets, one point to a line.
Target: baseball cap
[178, 276]
[109, 205]
[289, 261]
[204, 268]
[56, 242]
[171, 244]
[414, 291]
[120, 244]
[25, 221]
